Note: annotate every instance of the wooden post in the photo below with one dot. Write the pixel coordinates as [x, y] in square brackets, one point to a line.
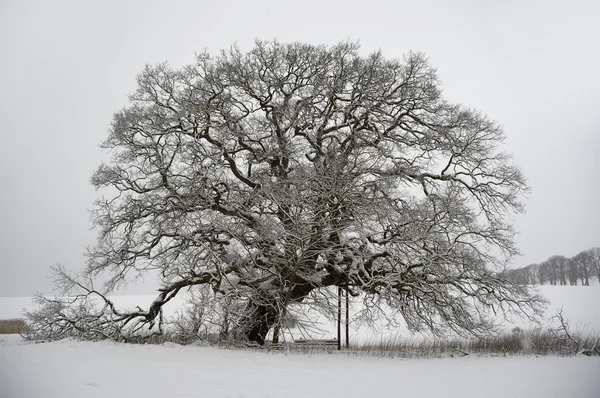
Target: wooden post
[347, 320]
[339, 320]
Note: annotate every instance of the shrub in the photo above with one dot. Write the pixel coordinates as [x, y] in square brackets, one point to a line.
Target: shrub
[13, 326]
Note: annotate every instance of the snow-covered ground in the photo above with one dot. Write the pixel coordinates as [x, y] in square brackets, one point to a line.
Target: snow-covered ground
[73, 369]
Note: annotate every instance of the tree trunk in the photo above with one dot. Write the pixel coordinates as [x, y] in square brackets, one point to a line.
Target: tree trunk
[261, 313]
[257, 320]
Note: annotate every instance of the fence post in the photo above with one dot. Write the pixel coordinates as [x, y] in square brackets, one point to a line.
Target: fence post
[347, 320]
[339, 320]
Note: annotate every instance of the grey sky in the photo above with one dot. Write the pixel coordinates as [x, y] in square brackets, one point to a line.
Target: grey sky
[66, 67]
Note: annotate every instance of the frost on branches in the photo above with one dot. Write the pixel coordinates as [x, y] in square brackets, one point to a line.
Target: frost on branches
[276, 173]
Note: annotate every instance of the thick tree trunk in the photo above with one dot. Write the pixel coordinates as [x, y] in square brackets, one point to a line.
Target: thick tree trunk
[257, 320]
[261, 314]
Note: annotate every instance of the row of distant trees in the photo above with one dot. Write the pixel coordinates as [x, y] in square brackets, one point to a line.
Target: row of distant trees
[560, 270]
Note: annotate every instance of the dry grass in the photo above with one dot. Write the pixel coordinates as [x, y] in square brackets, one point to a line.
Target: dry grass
[518, 342]
[13, 326]
[533, 342]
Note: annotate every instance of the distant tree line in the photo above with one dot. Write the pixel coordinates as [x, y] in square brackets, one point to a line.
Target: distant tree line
[560, 270]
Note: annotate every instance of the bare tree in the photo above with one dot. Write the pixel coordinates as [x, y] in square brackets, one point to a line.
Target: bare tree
[271, 174]
[543, 273]
[88, 314]
[595, 260]
[205, 316]
[573, 269]
[584, 264]
[557, 269]
[562, 332]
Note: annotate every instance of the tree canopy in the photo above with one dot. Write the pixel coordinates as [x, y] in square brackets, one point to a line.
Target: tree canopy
[289, 168]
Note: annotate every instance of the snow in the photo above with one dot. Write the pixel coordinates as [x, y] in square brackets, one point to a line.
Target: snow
[74, 369]
[71, 368]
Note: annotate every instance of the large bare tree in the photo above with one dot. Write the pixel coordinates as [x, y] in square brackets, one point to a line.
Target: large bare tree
[290, 168]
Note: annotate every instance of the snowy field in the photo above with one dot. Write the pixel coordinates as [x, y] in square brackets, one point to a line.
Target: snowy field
[72, 369]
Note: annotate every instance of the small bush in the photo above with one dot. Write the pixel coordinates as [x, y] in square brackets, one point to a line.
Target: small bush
[13, 326]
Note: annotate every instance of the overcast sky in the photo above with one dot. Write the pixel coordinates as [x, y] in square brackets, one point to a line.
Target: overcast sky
[66, 67]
